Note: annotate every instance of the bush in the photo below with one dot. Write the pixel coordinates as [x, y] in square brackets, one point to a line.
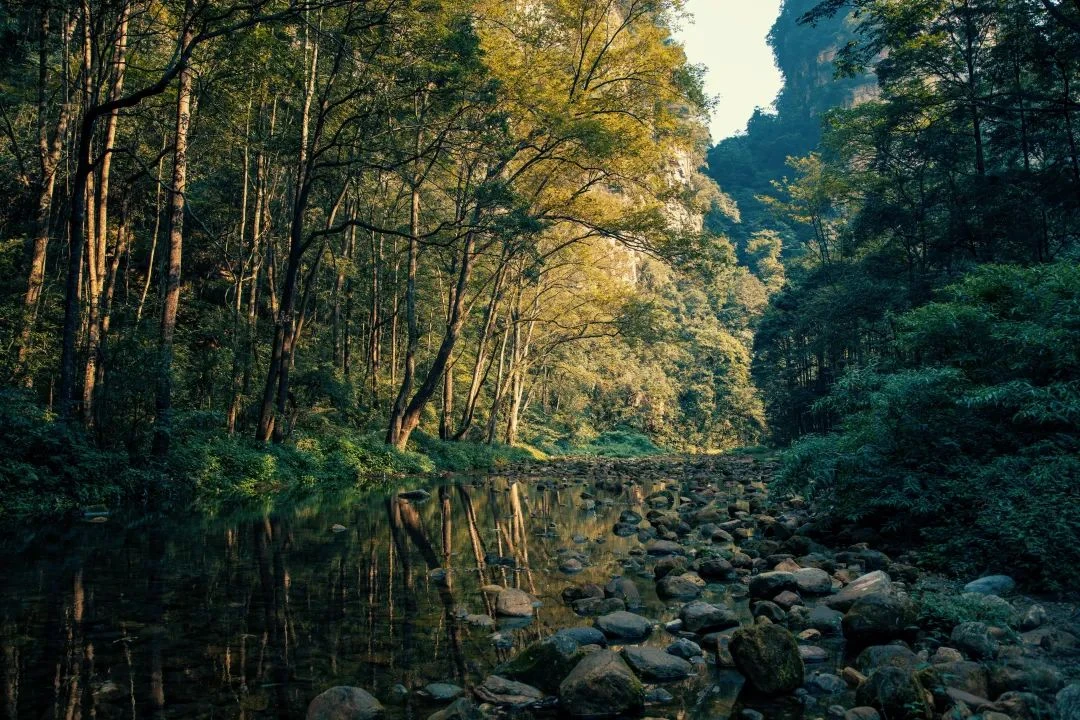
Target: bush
[970, 439]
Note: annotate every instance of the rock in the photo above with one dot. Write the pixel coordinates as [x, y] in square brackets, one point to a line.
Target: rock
[767, 609]
[512, 602]
[991, 585]
[946, 655]
[1024, 675]
[506, 693]
[624, 589]
[670, 565]
[418, 494]
[1067, 703]
[876, 582]
[770, 584]
[584, 635]
[813, 654]
[1024, 706]
[826, 620]
[591, 607]
[879, 656]
[787, 600]
[678, 587]
[664, 547]
[624, 627]
[443, 692]
[1034, 618]
[685, 649]
[654, 665]
[974, 638]
[813, 581]
[896, 693]
[658, 696]
[460, 709]
[543, 664]
[622, 529]
[571, 566]
[715, 568]
[768, 656]
[601, 685]
[630, 517]
[852, 677]
[480, 621]
[345, 703]
[970, 677]
[862, 713]
[750, 714]
[827, 684]
[876, 618]
[335, 528]
[702, 617]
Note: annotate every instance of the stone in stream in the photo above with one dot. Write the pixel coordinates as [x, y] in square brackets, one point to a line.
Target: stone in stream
[813, 581]
[1024, 675]
[679, 587]
[655, 665]
[591, 607]
[1034, 618]
[702, 617]
[624, 589]
[770, 610]
[443, 692]
[877, 656]
[826, 684]
[875, 619]
[601, 685]
[1067, 703]
[665, 547]
[571, 566]
[770, 584]
[512, 602]
[768, 656]
[622, 529]
[630, 517]
[345, 703]
[584, 635]
[826, 620]
[580, 592]
[813, 654]
[418, 494]
[877, 582]
[974, 638]
[896, 693]
[507, 693]
[624, 627]
[685, 649]
[970, 677]
[715, 568]
[670, 565]
[787, 600]
[991, 585]
[543, 664]
[460, 709]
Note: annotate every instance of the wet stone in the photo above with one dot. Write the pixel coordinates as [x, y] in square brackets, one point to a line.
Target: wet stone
[654, 665]
[624, 626]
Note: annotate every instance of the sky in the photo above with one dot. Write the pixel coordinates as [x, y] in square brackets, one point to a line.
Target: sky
[728, 37]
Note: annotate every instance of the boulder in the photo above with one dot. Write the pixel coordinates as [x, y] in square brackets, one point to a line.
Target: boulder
[584, 635]
[507, 693]
[1024, 675]
[1067, 703]
[601, 685]
[768, 656]
[826, 620]
[684, 649]
[591, 607]
[877, 582]
[624, 589]
[876, 618]
[679, 587]
[512, 602]
[543, 664]
[702, 617]
[655, 665]
[974, 638]
[879, 656]
[991, 585]
[443, 692]
[970, 677]
[715, 568]
[896, 693]
[345, 703]
[624, 627]
[670, 565]
[813, 581]
[664, 547]
[768, 585]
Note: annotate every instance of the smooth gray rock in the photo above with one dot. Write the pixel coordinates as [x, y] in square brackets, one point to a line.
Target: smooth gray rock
[813, 581]
[768, 585]
[624, 626]
[1067, 703]
[974, 638]
[702, 617]
[655, 665]
[601, 685]
[512, 602]
[991, 585]
[506, 693]
[868, 584]
[443, 692]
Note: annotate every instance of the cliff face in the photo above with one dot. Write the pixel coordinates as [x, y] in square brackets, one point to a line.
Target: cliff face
[746, 165]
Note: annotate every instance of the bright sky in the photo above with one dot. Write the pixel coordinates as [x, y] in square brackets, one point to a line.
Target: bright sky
[728, 36]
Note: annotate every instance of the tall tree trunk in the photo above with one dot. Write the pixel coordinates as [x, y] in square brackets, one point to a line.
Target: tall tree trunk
[171, 304]
[397, 412]
[479, 365]
[49, 151]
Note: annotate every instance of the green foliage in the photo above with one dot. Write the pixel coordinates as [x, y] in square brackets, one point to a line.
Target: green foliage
[610, 443]
[970, 435]
[464, 456]
[945, 609]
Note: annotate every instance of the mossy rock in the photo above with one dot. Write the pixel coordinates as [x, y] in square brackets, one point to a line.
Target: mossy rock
[768, 656]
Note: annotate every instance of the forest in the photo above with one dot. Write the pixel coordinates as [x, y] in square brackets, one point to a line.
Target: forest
[254, 246]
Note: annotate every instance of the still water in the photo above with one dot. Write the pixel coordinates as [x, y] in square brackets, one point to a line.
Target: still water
[251, 615]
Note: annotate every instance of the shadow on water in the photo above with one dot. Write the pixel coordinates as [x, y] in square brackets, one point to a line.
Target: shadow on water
[250, 612]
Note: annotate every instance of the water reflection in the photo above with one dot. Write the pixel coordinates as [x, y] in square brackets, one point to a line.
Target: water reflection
[250, 616]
